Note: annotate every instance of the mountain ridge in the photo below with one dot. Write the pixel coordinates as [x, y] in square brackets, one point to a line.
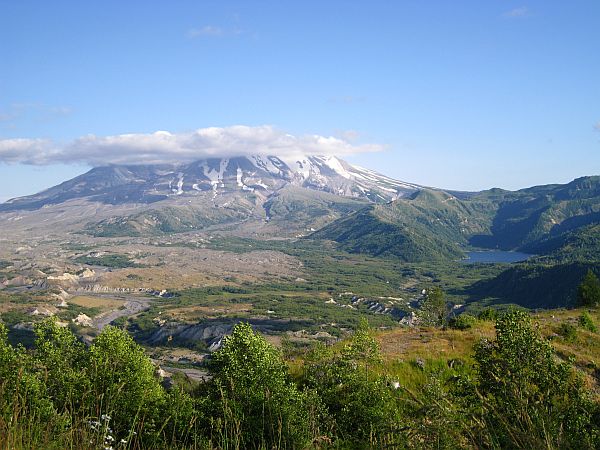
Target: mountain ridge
[266, 174]
[556, 221]
[321, 196]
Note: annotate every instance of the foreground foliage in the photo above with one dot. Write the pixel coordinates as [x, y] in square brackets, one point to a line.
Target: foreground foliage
[528, 396]
[519, 394]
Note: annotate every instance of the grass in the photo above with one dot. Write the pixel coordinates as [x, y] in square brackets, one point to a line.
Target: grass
[439, 349]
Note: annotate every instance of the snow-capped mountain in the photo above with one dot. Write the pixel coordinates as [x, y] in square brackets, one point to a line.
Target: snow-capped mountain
[217, 176]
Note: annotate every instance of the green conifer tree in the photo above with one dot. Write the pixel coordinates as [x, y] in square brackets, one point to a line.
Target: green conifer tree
[588, 292]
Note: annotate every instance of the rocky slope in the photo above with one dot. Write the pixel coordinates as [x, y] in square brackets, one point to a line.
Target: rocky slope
[263, 175]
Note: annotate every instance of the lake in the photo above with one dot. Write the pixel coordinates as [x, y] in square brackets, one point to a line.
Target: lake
[495, 256]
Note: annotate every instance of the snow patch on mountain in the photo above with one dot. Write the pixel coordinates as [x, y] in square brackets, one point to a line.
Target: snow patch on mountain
[240, 183]
[179, 189]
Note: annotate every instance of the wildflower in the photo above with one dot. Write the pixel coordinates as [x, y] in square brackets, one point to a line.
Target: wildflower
[105, 417]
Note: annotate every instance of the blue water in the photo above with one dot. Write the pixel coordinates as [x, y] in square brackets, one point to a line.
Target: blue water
[495, 256]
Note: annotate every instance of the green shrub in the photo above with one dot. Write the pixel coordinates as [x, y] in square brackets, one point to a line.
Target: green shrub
[434, 309]
[489, 314]
[587, 323]
[463, 322]
[568, 331]
[253, 403]
[361, 403]
[62, 394]
[124, 382]
[529, 398]
[25, 406]
[64, 359]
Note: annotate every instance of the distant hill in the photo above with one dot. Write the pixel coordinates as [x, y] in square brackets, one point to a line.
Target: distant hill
[526, 218]
[560, 221]
[427, 225]
[534, 285]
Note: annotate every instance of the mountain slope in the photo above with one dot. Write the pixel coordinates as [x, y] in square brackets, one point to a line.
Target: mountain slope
[580, 244]
[260, 174]
[533, 285]
[256, 195]
[363, 211]
[428, 225]
[526, 217]
[559, 220]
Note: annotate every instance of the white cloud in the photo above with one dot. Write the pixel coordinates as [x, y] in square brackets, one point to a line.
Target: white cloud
[597, 126]
[26, 151]
[207, 30]
[348, 135]
[517, 13]
[163, 147]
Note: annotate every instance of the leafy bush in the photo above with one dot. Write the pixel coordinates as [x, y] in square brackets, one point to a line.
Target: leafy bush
[529, 398]
[23, 397]
[360, 402]
[587, 323]
[489, 314]
[463, 322]
[124, 378]
[253, 402]
[64, 359]
[568, 331]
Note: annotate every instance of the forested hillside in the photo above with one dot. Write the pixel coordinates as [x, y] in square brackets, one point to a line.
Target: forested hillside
[559, 221]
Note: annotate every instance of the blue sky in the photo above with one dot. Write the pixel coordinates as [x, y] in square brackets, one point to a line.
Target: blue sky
[463, 95]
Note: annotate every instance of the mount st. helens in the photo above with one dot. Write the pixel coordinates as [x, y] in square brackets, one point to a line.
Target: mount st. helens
[255, 195]
[321, 196]
[264, 175]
